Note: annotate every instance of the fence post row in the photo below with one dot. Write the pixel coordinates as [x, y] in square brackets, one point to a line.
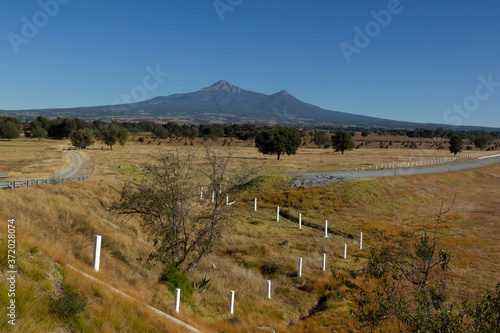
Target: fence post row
[26, 183]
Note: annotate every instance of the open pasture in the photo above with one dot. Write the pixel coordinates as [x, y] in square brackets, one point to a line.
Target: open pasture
[58, 224]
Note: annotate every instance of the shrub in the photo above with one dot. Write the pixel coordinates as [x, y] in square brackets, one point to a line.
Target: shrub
[173, 279]
[202, 285]
[69, 304]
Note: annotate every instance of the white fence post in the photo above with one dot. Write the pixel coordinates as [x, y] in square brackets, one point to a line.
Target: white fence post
[278, 214]
[269, 289]
[299, 273]
[231, 302]
[201, 194]
[345, 251]
[361, 241]
[326, 228]
[177, 299]
[255, 204]
[323, 265]
[97, 252]
[213, 196]
[227, 198]
[300, 220]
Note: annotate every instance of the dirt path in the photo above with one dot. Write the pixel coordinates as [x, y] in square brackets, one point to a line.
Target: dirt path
[326, 178]
[75, 165]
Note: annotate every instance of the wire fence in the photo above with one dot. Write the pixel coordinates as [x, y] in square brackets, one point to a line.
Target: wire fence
[36, 182]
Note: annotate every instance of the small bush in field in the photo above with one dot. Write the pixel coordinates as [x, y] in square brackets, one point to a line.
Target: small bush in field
[269, 269]
[202, 285]
[173, 279]
[69, 304]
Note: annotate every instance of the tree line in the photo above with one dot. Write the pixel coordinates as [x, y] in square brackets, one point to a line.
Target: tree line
[438, 133]
[62, 128]
[276, 140]
[81, 133]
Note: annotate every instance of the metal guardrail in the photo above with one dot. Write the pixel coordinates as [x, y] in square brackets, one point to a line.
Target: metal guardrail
[4, 176]
[36, 182]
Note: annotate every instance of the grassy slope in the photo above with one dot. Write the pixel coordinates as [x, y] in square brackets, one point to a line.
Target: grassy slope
[57, 223]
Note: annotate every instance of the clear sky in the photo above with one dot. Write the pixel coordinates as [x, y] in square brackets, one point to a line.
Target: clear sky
[421, 60]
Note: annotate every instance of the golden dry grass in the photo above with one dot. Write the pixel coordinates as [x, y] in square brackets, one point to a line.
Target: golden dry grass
[308, 158]
[61, 221]
[26, 159]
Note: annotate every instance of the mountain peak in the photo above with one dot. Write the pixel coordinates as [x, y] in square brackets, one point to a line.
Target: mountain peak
[223, 85]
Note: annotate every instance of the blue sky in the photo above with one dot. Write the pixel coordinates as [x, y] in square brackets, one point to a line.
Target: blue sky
[421, 60]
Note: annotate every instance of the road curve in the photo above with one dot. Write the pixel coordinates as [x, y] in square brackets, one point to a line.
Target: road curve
[326, 178]
[75, 165]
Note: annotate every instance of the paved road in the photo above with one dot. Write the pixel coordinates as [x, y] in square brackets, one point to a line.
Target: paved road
[75, 165]
[326, 178]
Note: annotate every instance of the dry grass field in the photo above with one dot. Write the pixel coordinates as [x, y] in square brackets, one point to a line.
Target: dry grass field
[29, 158]
[56, 225]
[309, 158]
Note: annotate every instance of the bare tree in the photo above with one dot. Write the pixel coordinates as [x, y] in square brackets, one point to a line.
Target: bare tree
[182, 227]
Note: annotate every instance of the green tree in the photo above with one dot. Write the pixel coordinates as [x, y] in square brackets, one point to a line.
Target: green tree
[113, 132]
[321, 139]
[342, 141]
[191, 132]
[10, 130]
[82, 138]
[482, 141]
[456, 144]
[278, 140]
[61, 128]
[122, 136]
[42, 121]
[160, 132]
[439, 133]
[38, 132]
[365, 133]
[216, 131]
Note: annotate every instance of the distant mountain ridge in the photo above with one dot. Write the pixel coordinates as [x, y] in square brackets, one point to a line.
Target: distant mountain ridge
[226, 103]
